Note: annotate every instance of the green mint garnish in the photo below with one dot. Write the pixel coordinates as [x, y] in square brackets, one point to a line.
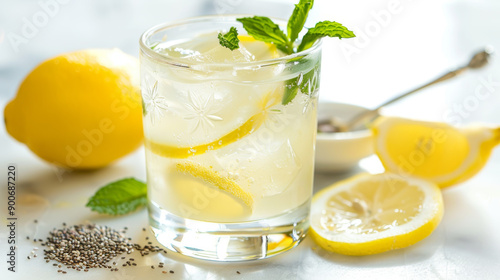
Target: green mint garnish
[298, 19]
[119, 197]
[324, 29]
[230, 39]
[291, 90]
[306, 84]
[264, 29]
[154, 45]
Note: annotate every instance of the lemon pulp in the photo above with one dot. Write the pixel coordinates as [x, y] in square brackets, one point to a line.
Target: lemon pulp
[370, 214]
[203, 193]
[252, 124]
[433, 151]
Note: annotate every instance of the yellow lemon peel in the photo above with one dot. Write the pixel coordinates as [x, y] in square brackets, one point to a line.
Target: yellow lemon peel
[215, 179]
[370, 214]
[433, 151]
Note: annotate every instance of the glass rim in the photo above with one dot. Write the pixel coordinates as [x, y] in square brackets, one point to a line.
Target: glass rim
[229, 18]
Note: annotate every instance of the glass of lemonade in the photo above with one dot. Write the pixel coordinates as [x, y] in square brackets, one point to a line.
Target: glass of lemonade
[229, 138]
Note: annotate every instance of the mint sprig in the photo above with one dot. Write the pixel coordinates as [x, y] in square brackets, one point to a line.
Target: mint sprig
[264, 29]
[119, 197]
[230, 39]
[324, 29]
[298, 19]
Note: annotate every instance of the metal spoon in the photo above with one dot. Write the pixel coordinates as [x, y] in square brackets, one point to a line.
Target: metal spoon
[335, 125]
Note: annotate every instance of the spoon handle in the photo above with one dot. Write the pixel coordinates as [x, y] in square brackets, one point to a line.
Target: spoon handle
[442, 78]
[356, 120]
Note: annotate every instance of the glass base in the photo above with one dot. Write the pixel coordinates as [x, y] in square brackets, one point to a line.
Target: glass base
[230, 241]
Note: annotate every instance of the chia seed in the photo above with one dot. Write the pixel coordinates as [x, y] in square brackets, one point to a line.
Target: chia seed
[82, 247]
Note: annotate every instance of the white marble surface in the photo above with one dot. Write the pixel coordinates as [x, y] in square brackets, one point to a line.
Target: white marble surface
[420, 40]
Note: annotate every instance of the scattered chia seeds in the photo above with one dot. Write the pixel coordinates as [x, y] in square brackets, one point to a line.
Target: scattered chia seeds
[91, 246]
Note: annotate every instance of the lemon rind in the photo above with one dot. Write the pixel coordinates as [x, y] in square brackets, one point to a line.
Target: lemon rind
[396, 238]
[215, 179]
[475, 161]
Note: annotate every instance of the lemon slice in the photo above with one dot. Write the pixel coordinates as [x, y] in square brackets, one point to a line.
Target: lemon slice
[259, 50]
[370, 214]
[213, 179]
[184, 152]
[252, 124]
[433, 151]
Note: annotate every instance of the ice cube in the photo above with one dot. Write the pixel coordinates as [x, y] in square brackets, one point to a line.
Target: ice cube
[264, 169]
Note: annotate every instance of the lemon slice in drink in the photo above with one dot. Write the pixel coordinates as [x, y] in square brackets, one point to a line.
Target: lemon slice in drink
[204, 193]
[259, 50]
[370, 214]
[206, 48]
[433, 151]
[252, 124]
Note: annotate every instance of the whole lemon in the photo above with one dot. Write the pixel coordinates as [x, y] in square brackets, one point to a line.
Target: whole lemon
[79, 110]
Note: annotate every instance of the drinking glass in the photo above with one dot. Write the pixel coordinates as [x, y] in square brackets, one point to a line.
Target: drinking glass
[229, 143]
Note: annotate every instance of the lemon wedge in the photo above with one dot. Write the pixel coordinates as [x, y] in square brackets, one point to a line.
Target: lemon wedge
[370, 214]
[433, 151]
[215, 179]
[269, 51]
[184, 152]
[252, 124]
[202, 193]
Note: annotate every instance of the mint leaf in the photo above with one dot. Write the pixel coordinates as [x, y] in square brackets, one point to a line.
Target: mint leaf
[230, 39]
[324, 29]
[310, 83]
[119, 197]
[307, 85]
[298, 19]
[264, 29]
[291, 90]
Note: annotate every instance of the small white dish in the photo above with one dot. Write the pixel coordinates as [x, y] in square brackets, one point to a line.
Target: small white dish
[341, 151]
